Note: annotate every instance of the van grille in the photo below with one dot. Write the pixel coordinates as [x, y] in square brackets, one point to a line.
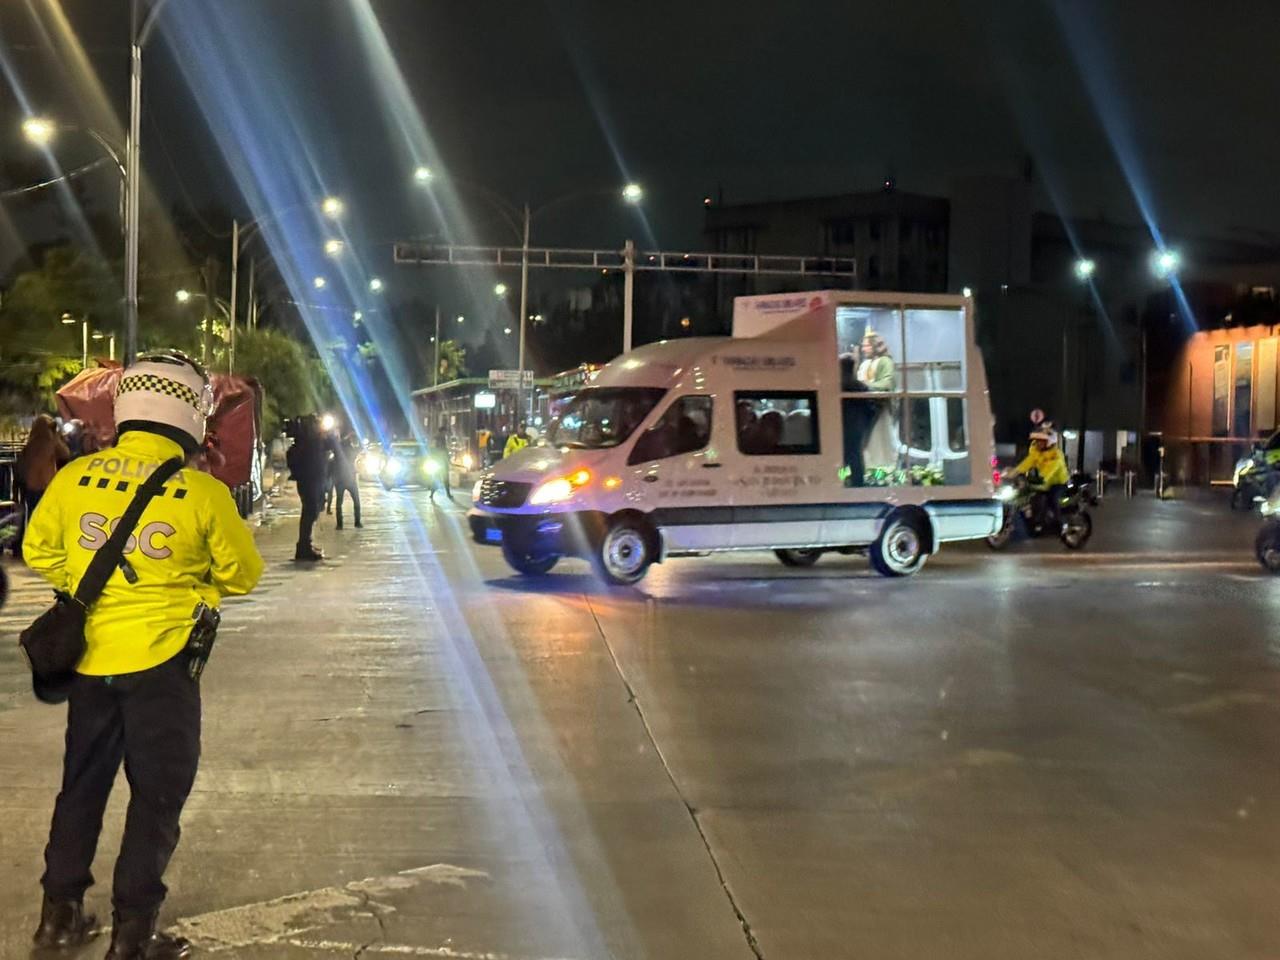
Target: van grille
[503, 494]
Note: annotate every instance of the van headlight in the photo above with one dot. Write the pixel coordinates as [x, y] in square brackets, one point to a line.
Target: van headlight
[559, 489]
[430, 466]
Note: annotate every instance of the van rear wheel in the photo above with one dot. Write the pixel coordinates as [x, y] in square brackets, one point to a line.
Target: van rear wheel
[798, 558]
[902, 547]
[626, 550]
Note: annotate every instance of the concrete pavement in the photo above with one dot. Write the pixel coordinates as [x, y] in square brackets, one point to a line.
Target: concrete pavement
[410, 751]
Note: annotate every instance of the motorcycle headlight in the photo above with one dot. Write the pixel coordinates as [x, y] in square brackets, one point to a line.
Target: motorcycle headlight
[1269, 508]
[1006, 493]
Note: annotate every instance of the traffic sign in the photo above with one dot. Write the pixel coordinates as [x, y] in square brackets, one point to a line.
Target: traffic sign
[509, 379]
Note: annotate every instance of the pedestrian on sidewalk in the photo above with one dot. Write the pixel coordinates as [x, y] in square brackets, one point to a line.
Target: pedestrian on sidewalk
[41, 456]
[135, 693]
[307, 463]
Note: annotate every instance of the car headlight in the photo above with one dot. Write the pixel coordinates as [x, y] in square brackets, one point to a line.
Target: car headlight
[559, 489]
[393, 467]
[430, 466]
[1006, 493]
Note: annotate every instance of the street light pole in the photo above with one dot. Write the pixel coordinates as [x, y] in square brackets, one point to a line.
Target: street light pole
[524, 310]
[628, 294]
[435, 379]
[235, 260]
[140, 29]
[84, 340]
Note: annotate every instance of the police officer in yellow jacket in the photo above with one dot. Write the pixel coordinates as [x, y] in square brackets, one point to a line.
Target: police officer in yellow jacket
[133, 698]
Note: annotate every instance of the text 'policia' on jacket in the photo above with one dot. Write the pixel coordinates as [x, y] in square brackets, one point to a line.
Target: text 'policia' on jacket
[189, 546]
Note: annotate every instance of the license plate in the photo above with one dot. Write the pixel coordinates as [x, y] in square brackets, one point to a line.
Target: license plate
[493, 535]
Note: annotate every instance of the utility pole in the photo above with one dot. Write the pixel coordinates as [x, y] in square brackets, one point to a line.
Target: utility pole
[524, 310]
[435, 378]
[235, 261]
[253, 306]
[628, 294]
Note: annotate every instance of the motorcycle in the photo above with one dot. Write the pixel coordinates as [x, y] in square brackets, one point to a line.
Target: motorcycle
[1254, 479]
[1021, 508]
[1267, 545]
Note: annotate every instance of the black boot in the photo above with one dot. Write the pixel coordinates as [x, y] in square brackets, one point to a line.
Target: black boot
[137, 939]
[307, 553]
[63, 924]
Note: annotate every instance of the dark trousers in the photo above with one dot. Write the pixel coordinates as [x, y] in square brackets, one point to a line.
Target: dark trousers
[151, 721]
[312, 502]
[348, 485]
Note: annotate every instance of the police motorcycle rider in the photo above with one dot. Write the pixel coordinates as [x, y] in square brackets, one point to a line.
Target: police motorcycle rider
[1045, 468]
[135, 694]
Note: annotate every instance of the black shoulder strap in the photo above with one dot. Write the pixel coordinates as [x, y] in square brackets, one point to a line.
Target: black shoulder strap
[109, 556]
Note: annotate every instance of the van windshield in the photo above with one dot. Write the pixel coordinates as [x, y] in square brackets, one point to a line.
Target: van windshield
[600, 417]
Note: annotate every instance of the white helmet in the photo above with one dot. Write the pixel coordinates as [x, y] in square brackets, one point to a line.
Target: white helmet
[166, 393]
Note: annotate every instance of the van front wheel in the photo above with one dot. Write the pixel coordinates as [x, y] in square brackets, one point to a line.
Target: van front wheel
[901, 548]
[529, 564]
[625, 552]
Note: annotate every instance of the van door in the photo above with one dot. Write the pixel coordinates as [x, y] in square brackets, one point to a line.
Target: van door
[677, 480]
[777, 469]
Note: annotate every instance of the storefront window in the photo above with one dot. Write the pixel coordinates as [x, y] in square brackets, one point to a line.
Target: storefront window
[1242, 393]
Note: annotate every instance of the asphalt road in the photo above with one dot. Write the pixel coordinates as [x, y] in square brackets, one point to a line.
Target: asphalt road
[409, 751]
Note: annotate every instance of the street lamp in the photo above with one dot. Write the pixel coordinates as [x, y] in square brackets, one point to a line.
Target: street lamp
[333, 247]
[1166, 263]
[1085, 268]
[319, 283]
[423, 175]
[67, 321]
[500, 290]
[633, 193]
[376, 285]
[182, 296]
[39, 130]
[507, 331]
[111, 338]
[333, 207]
[357, 316]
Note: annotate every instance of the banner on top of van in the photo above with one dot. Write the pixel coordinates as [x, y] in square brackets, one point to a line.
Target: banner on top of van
[753, 316]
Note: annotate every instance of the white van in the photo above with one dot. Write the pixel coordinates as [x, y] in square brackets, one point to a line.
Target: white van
[837, 421]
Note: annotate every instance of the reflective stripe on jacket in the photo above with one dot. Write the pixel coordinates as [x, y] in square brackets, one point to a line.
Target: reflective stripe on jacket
[1050, 464]
[189, 546]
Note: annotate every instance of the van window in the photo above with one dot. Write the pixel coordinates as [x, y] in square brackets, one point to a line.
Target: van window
[934, 361]
[684, 428]
[600, 417]
[776, 422]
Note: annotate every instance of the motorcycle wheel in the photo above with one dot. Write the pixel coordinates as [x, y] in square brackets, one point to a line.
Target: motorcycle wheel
[4, 586]
[1077, 528]
[1267, 546]
[1000, 539]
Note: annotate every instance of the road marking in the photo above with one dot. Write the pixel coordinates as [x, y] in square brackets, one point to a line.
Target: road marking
[271, 921]
[403, 950]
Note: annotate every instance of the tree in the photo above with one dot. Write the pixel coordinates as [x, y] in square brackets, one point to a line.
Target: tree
[293, 382]
[453, 360]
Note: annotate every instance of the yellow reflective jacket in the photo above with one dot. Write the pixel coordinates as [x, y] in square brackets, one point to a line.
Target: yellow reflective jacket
[515, 443]
[1050, 464]
[190, 545]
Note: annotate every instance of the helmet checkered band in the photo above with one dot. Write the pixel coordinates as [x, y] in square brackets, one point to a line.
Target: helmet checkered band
[151, 383]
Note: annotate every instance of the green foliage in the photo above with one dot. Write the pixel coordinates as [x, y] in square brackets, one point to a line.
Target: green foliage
[67, 281]
[453, 360]
[293, 381]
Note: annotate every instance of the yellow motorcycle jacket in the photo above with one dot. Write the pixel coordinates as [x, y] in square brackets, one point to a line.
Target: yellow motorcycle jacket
[189, 546]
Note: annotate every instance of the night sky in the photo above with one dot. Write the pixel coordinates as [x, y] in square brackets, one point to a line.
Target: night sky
[759, 99]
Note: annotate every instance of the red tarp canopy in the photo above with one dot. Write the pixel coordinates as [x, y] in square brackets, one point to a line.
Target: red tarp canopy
[90, 398]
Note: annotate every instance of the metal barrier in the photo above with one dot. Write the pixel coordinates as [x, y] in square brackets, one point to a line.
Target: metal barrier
[1130, 483]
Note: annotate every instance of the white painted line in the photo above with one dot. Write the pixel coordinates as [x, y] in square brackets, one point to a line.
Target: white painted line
[404, 950]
